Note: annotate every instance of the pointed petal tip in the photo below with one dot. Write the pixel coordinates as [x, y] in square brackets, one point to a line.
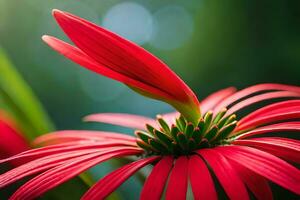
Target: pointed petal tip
[46, 38]
[86, 118]
[55, 12]
[49, 40]
[90, 117]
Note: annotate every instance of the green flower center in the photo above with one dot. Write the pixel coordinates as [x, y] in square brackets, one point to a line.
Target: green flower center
[183, 137]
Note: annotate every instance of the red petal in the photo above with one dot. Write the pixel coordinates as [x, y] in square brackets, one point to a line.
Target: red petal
[259, 98]
[126, 120]
[79, 57]
[67, 147]
[201, 180]
[75, 135]
[266, 165]
[50, 161]
[39, 165]
[290, 114]
[178, 181]
[254, 89]
[287, 149]
[285, 126]
[257, 184]
[155, 183]
[51, 178]
[275, 107]
[113, 180]
[118, 54]
[126, 58]
[33, 153]
[232, 184]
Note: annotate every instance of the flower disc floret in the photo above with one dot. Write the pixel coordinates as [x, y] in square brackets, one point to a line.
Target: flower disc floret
[183, 137]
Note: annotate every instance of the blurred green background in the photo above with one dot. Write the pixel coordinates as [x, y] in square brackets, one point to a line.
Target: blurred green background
[211, 44]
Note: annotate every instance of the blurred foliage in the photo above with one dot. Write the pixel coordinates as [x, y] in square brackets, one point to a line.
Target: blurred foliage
[233, 43]
[17, 98]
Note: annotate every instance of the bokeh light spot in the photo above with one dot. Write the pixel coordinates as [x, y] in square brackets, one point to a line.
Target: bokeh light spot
[129, 20]
[173, 26]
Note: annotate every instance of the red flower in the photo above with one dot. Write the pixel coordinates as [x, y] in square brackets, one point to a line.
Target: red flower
[183, 149]
[12, 141]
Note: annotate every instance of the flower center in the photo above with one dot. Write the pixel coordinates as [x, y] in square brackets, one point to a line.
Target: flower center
[183, 137]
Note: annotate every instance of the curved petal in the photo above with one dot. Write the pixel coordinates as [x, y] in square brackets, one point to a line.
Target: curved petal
[77, 135]
[275, 117]
[53, 177]
[155, 183]
[67, 147]
[257, 184]
[287, 149]
[201, 180]
[50, 161]
[279, 127]
[275, 107]
[36, 153]
[232, 184]
[254, 89]
[259, 98]
[124, 57]
[79, 57]
[113, 180]
[266, 165]
[178, 181]
[126, 120]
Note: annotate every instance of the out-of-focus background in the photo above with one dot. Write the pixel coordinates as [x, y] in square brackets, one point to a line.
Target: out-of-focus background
[211, 44]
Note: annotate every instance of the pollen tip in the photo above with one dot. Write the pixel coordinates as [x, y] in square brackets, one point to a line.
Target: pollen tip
[159, 116]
